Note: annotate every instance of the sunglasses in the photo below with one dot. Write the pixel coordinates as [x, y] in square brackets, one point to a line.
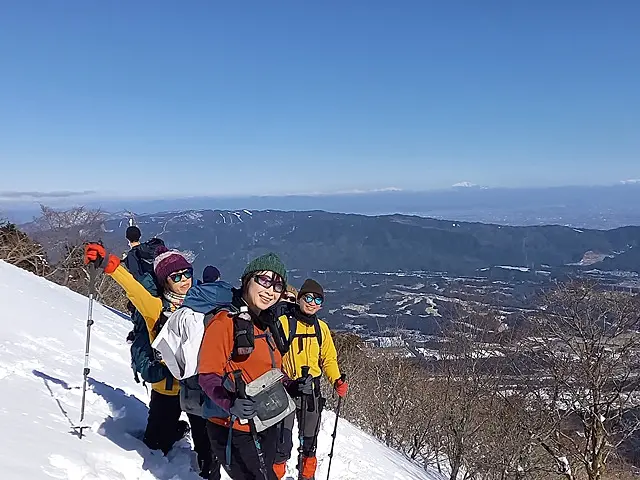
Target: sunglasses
[313, 299]
[289, 298]
[268, 282]
[179, 276]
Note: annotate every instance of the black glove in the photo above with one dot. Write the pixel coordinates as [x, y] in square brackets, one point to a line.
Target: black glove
[243, 408]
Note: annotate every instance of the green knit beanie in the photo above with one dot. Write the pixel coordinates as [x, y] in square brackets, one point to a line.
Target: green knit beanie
[269, 262]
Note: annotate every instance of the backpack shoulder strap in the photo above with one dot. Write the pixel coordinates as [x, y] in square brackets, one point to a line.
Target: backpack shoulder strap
[164, 316]
[293, 328]
[209, 315]
[268, 337]
[318, 330]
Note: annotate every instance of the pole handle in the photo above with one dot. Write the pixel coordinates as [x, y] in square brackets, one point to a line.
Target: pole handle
[241, 389]
[93, 275]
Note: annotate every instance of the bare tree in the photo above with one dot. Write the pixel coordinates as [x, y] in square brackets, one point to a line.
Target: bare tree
[354, 360]
[555, 397]
[584, 351]
[18, 249]
[391, 397]
[64, 234]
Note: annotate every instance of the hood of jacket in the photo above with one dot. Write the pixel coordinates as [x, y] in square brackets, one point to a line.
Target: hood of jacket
[205, 297]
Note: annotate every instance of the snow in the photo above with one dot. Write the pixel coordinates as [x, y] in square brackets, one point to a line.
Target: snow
[464, 185]
[41, 360]
[356, 308]
[509, 267]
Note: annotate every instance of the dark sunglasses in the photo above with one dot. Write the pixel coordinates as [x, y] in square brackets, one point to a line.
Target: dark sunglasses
[313, 299]
[268, 282]
[177, 277]
[289, 298]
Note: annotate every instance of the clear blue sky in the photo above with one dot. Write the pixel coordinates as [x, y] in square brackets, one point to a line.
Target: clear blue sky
[159, 97]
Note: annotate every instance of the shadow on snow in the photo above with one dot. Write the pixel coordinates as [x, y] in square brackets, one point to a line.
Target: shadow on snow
[125, 428]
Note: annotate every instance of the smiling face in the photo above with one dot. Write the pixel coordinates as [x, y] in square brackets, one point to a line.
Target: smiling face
[262, 290]
[288, 297]
[308, 303]
[180, 282]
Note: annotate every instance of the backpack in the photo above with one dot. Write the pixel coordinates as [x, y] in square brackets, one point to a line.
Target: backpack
[145, 362]
[290, 312]
[139, 262]
[146, 254]
[180, 338]
[293, 326]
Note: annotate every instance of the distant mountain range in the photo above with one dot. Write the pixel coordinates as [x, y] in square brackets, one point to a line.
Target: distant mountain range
[581, 207]
[321, 241]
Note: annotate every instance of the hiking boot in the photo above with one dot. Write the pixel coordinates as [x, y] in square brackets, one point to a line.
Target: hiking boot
[182, 429]
[209, 468]
[280, 469]
[309, 468]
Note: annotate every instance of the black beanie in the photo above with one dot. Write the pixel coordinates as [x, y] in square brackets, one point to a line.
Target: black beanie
[210, 274]
[311, 286]
[133, 234]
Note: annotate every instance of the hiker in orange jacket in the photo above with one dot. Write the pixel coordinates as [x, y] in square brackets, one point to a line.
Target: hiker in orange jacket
[241, 349]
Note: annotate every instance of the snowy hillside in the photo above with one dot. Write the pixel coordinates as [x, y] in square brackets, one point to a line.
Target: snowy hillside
[42, 335]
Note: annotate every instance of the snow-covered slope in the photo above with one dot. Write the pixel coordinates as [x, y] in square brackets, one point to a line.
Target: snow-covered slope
[42, 336]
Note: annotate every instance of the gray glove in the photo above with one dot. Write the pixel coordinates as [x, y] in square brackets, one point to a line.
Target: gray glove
[243, 408]
[305, 385]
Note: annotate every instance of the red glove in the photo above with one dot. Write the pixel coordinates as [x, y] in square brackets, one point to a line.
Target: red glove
[94, 252]
[341, 387]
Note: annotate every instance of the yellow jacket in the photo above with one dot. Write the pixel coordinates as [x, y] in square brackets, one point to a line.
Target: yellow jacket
[319, 361]
[150, 308]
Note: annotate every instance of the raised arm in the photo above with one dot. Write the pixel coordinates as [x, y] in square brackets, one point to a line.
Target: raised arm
[149, 306]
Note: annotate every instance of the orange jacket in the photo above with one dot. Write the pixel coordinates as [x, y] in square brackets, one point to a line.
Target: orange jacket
[215, 359]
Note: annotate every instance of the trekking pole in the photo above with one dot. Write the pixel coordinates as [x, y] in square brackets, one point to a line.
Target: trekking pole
[303, 421]
[242, 393]
[93, 273]
[343, 377]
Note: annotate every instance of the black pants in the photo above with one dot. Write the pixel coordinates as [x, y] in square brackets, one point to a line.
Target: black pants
[163, 428]
[207, 461]
[311, 428]
[244, 456]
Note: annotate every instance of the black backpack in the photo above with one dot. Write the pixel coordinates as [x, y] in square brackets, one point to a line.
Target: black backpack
[291, 311]
[144, 361]
[140, 259]
[293, 326]
[147, 253]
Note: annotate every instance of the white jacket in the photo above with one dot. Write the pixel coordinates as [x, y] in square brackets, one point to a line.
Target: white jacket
[179, 342]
